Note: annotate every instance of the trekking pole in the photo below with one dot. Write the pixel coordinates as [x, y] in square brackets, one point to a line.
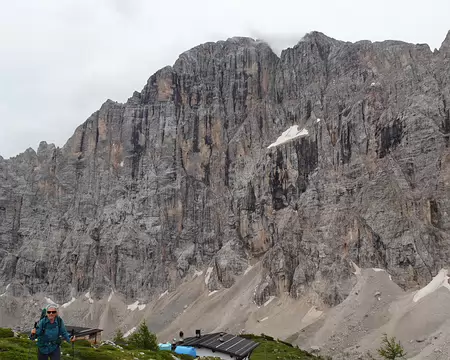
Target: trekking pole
[73, 344]
[31, 341]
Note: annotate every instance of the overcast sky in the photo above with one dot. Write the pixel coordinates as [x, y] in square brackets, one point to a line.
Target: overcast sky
[61, 59]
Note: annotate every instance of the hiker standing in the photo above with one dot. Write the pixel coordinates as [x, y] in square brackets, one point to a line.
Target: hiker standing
[49, 331]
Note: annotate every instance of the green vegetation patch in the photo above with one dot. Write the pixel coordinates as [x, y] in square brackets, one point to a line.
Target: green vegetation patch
[12, 348]
[271, 349]
[6, 333]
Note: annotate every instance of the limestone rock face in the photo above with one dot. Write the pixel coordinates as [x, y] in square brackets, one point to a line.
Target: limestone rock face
[179, 178]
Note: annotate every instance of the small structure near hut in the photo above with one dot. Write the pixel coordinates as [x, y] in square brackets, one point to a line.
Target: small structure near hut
[91, 334]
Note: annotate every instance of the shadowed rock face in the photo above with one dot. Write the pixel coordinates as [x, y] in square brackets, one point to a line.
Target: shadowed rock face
[180, 178]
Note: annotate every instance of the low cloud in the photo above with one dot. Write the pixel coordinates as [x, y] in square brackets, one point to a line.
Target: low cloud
[278, 42]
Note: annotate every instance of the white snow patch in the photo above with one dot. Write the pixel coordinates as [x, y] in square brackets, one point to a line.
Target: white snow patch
[49, 301]
[163, 294]
[198, 273]
[440, 280]
[247, 270]
[88, 295]
[208, 275]
[135, 306]
[289, 134]
[269, 300]
[212, 292]
[357, 269]
[110, 296]
[68, 303]
[6, 290]
[264, 319]
[318, 120]
[129, 332]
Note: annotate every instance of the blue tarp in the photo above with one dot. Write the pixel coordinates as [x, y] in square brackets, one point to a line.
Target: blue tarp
[187, 350]
[167, 346]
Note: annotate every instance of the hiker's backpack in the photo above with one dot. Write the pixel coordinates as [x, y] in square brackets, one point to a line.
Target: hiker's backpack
[43, 314]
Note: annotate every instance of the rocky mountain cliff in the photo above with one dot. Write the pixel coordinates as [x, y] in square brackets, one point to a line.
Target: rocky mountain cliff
[179, 178]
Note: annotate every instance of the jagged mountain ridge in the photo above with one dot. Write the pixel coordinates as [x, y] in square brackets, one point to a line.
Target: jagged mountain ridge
[179, 177]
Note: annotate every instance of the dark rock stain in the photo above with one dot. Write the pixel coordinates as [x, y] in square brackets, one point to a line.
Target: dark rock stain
[346, 144]
[307, 160]
[435, 215]
[195, 130]
[389, 138]
[308, 109]
[276, 182]
[138, 149]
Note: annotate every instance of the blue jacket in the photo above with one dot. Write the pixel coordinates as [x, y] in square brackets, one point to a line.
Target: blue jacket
[49, 340]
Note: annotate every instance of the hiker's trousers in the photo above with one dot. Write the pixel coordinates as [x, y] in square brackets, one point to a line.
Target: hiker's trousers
[55, 355]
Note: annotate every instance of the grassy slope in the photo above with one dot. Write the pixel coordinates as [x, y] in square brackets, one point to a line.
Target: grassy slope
[271, 349]
[19, 349]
